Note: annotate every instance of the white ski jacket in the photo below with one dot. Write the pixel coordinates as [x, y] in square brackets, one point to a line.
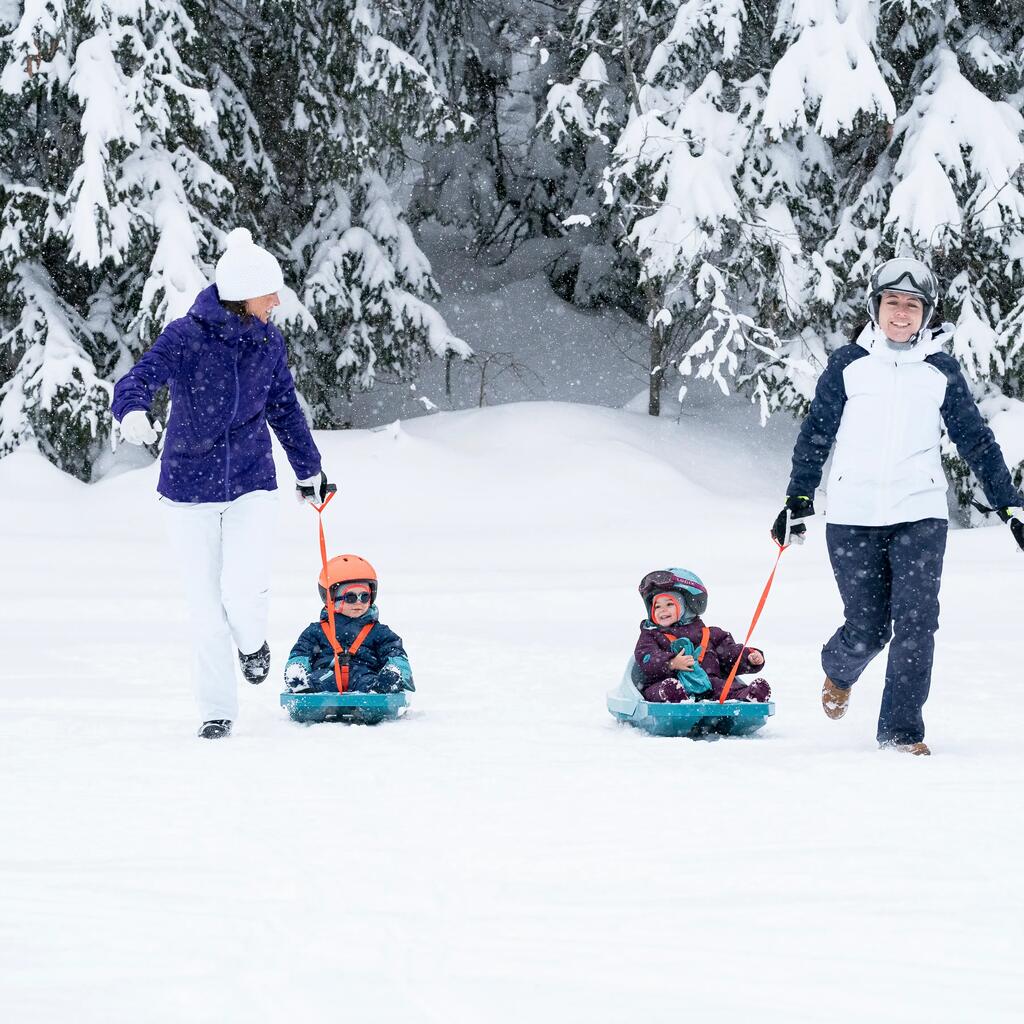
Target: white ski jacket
[883, 408]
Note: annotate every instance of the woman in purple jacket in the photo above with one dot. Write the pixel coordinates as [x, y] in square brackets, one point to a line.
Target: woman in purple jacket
[227, 370]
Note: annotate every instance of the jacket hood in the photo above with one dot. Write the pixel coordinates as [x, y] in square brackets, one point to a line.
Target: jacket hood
[929, 341]
[207, 309]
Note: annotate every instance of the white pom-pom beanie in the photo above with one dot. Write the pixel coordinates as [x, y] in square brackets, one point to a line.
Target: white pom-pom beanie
[246, 271]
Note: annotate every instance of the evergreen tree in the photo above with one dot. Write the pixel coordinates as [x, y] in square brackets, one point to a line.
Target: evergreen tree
[339, 99]
[501, 181]
[135, 135]
[761, 158]
[105, 209]
[678, 114]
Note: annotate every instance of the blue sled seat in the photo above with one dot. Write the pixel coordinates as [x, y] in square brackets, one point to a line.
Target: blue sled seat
[690, 718]
[367, 708]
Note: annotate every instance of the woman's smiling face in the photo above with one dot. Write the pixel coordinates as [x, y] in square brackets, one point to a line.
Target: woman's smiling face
[900, 315]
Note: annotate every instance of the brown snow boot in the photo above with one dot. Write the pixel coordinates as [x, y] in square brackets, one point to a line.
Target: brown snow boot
[834, 699]
[917, 749]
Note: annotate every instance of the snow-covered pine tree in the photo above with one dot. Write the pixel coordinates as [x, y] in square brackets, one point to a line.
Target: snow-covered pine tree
[584, 118]
[105, 208]
[501, 183]
[135, 135]
[323, 115]
[666, 86]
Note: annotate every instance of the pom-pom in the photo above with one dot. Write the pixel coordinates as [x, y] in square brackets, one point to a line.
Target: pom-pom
[238, 238]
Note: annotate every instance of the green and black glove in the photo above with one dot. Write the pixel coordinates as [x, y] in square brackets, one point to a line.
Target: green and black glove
[1012, 514]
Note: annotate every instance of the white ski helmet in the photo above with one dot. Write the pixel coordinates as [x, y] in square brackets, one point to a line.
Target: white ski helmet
[903, 274]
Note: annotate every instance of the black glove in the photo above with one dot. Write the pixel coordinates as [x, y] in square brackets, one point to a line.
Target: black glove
[1014, 515]
[314, 491]
[785, 530]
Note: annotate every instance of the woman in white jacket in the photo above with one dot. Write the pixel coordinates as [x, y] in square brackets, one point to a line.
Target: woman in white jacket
[882, 401]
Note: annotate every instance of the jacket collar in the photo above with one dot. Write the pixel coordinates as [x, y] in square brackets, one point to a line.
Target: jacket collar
[927, 344]
[208, 310]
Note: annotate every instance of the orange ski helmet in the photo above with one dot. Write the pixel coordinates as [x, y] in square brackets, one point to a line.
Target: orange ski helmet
[347, 569]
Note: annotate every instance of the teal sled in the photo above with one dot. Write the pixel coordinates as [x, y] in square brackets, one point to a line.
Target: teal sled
[364, 708]
[700, 719]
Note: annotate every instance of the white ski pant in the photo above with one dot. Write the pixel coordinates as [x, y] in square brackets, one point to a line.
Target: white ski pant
[223, 553]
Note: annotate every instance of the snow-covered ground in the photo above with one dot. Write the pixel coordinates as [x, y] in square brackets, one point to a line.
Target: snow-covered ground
[507, 852]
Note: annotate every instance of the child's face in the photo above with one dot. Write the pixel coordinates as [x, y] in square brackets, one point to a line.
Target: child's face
[353, 601]
[665, 610]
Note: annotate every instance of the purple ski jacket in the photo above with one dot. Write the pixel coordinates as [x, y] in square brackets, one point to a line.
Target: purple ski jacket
[228, 380]
[654, 652]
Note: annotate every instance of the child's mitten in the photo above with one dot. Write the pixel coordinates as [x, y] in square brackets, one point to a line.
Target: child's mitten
[296, 676]
[397, 673]
[389, 680]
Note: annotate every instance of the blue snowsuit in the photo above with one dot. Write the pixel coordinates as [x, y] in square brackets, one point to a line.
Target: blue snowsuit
[380, 665]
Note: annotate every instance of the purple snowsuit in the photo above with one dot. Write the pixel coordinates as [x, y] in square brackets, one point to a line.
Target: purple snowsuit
[229, 379]
[654, 652]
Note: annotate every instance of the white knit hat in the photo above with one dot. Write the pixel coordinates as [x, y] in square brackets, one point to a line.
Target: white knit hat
[246, 271]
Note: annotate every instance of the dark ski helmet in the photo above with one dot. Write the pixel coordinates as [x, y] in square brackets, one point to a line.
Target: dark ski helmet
[688, 585]
[903, 275]
[344, 569]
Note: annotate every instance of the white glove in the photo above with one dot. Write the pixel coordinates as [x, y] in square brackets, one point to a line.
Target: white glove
[136, 428]
[314, 491]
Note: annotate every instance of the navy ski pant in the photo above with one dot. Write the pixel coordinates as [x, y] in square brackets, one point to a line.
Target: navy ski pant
[888, 578]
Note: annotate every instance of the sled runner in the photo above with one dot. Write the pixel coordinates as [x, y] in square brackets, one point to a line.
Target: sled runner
[695, 719]
[364, 708]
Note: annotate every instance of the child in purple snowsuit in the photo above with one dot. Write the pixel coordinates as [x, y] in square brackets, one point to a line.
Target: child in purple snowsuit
[675, 599]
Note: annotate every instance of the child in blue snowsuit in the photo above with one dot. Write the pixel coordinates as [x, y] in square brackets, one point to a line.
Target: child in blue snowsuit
[370, 655]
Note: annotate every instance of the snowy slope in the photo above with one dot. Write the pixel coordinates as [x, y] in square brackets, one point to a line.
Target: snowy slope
[507, 852]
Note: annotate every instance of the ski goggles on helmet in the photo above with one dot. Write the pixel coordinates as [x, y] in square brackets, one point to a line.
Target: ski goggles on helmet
[903, 275]
[692, 591]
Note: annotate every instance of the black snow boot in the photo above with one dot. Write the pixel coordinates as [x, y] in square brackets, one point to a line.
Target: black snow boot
[256, 666]
[215, 729]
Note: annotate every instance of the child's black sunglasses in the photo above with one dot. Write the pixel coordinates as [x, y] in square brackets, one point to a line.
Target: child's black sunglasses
[355, 597]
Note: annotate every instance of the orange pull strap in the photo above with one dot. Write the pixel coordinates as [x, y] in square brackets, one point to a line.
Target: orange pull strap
[341, 678]
[753, 623]
[360, 637]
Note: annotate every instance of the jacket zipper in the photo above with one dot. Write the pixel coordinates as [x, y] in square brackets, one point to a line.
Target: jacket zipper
[883, 508]
[227, 437]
